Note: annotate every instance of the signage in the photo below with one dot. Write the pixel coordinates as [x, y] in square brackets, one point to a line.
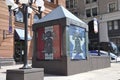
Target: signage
[95, 24]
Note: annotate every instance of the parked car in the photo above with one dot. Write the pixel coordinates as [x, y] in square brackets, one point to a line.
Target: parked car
[109, 46]
[104, 53]
[105, 46]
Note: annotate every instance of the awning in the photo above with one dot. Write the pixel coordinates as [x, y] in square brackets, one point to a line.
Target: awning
[19, 34]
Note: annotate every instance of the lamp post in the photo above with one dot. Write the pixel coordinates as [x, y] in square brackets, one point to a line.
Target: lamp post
[25, 4]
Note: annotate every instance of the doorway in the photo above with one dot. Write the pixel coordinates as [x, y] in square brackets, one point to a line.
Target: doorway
[19, 44]
[18, 48]
[18, 51]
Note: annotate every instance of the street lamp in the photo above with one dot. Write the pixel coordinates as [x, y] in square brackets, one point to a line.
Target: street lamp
[26, 4]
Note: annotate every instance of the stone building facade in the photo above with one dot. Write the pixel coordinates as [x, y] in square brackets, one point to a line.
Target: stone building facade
[106, 11]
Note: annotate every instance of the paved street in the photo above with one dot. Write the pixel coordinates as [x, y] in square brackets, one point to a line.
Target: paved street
[111, 73]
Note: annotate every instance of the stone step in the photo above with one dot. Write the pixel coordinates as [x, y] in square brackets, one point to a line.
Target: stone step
[6, 61]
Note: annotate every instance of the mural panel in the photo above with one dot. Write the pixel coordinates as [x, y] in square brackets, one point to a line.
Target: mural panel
[49, 43]
[75, 41]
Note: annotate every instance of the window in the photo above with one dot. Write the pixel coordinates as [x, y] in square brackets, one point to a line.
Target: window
[118, 23]
[88, 12]
[87, 1]
[115, 24]
[94, 0]
[94, 11]
[71, 3]
[67, 3]
[75, 3]
[76, 13]
[36, 18]
[91, 12]
[110, 25]
[112, 7]
[50, 0]
[19, 16]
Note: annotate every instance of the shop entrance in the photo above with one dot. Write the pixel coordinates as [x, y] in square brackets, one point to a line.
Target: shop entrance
[18, 51]
[19, 44]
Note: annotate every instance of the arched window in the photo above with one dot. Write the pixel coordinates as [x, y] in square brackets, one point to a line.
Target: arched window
[36, 18]
[19, 16]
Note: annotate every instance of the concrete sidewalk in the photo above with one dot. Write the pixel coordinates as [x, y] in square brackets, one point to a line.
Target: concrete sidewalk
[111, 73]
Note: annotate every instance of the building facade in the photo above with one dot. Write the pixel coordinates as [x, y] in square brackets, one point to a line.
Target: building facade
[107, 13]
[11, 42]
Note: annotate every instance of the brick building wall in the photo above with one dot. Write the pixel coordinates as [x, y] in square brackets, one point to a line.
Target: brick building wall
[7, 44]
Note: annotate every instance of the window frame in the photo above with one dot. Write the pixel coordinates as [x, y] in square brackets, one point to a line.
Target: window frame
[71, 3]
[110, 26]
[36, 17]
[19, 17]
[94, 14]
[87, 1]
[67, 4]
[110, 9]
[116, 25]
[94, 0]
[89, 13]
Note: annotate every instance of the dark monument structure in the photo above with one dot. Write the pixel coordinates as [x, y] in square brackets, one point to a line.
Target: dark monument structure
[61, 45]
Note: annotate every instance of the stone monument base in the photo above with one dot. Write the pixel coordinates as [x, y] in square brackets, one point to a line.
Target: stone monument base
[25, 74]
